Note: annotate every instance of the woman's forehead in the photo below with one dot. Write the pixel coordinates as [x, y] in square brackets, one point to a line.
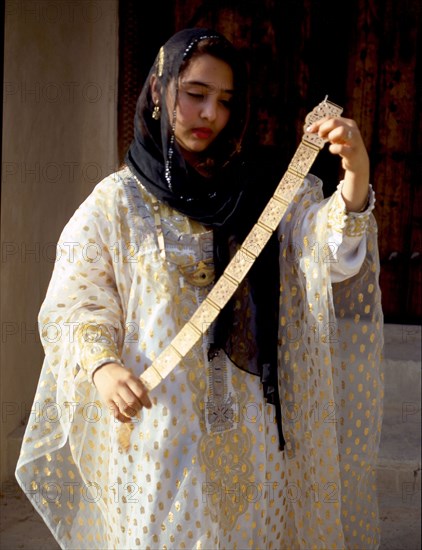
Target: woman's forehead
[210, 71]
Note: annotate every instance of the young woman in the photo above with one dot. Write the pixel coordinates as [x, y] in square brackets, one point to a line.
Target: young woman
[266, 433]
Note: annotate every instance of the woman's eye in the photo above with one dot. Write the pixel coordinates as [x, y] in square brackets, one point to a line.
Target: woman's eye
[226, 102]
[195, 95]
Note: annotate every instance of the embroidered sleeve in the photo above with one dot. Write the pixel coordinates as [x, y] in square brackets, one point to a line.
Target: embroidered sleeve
[325, 232]
[352, 224]
[96, 347]
[81, 319]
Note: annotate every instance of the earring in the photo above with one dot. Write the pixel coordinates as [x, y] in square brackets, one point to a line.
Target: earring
[156, 113]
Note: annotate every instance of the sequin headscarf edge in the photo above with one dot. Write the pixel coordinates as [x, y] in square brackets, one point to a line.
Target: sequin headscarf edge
[161, 57]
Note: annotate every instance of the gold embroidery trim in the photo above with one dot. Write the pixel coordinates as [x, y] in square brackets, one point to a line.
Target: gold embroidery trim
[96, 347]
[352, 224]
[198, 273]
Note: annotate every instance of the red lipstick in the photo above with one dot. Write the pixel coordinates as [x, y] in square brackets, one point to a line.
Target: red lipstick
[202, 133]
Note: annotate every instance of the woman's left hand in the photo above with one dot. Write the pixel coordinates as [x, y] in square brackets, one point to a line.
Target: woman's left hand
[346, 141]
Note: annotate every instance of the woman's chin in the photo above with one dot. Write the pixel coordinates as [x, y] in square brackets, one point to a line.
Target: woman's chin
[193, 154]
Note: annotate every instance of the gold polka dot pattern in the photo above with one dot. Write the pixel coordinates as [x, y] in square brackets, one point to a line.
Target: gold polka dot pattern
[203, 469]
[331, 384]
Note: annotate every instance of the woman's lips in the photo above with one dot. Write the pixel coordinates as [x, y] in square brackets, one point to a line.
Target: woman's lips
[202, 133]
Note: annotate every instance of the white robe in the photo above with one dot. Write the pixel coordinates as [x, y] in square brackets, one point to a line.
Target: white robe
[204, 469]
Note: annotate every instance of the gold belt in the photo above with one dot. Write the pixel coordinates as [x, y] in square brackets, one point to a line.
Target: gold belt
[242, 261]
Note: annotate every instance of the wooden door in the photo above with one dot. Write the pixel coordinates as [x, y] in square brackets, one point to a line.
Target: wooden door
[363, 56]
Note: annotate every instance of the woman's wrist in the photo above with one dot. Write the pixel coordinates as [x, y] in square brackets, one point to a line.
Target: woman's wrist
[355, 192]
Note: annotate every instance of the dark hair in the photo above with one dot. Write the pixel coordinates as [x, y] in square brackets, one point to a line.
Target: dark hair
[230, 139]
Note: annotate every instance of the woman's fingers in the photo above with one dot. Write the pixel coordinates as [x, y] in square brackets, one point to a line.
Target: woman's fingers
[114, 409]
[133, 396]
[127, 402]
[335, 130]
[124, 393]
[345, 140]
[140, 392]
[341, 134]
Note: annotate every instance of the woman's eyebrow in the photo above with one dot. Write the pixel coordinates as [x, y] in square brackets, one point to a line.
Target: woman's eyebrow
[205, 85]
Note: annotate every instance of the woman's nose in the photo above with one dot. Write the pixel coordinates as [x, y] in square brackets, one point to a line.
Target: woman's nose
[209, 109]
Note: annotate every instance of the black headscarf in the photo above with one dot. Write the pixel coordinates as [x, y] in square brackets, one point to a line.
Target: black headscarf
[223, 199]
[154, 154]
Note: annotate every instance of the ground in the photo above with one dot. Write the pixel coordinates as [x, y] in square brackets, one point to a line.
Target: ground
[23, 529]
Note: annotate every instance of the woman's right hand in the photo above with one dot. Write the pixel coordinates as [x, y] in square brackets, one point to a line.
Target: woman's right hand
[121, 391]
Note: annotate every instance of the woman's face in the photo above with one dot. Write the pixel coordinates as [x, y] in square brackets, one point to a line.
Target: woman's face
[203, 106]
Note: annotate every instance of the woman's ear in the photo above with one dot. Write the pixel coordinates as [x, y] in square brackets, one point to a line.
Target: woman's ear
[155, 89]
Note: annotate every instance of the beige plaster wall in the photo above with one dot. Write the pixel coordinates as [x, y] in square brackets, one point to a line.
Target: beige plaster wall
[59, 140]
